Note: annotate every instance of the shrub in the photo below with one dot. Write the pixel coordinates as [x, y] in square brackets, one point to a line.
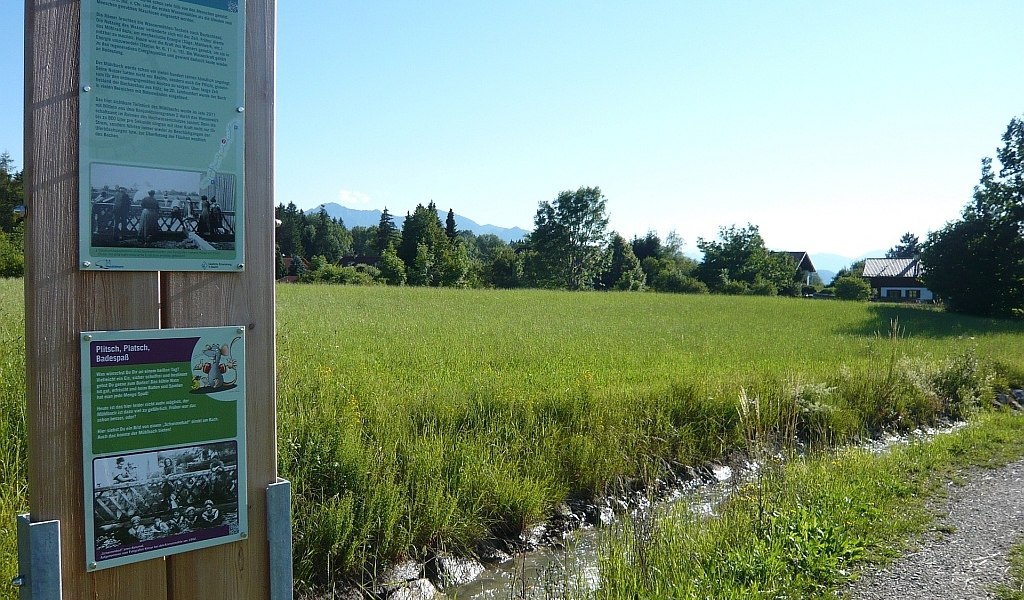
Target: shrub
[677, 282]
[764, 288]
[735, 288]
[852, 288]
[12, 257]
[961, 383]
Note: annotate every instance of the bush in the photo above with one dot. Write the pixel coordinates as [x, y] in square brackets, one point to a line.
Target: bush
[676, 282]
[764, 288]
[12, 258]
[735, 288]
[852, 287]
[962, 383]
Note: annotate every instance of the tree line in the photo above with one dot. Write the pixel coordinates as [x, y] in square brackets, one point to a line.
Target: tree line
[569, 248]
[975, 263]
[12, 232]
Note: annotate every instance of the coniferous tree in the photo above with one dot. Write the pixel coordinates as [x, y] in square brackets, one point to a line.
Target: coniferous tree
[289, 233]
[449, 226]
[624, 272]
[909, 247]
[329, 238]
[422, 265]
[387, 233]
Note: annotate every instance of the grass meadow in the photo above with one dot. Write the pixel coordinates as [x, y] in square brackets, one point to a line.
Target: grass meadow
[416, 419]
[420, 419]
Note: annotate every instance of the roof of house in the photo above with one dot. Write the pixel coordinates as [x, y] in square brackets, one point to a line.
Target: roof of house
[802, 260]
[893, 267]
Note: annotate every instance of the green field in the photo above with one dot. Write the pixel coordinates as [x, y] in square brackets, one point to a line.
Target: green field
[414, 419]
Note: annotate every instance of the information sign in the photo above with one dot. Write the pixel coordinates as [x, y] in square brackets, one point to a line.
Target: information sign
[161, 150]
[163, 435]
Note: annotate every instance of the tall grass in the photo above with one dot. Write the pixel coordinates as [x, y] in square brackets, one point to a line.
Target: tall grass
[414, 420]
[827, 516]
[13, 454]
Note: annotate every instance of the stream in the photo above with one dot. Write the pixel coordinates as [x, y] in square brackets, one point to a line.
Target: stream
[554, 569]
[570, 565]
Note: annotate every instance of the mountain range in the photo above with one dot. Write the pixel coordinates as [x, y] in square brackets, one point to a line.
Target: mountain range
[353, 217]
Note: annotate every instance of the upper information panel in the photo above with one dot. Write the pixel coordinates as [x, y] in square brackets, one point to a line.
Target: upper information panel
[161, 135]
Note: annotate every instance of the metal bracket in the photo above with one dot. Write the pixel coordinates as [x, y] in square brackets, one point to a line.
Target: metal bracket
[19, 212]
[279, 536]
[38, 560]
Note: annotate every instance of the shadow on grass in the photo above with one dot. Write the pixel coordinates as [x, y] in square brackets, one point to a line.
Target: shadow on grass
[929, 322]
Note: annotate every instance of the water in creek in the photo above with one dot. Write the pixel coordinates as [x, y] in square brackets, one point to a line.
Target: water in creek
[557, 571]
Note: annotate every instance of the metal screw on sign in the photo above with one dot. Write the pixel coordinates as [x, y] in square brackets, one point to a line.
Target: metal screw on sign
[241, 109]
[87, 88]
[87, 338]
[241, 265]
[86, 264]
[18, 581]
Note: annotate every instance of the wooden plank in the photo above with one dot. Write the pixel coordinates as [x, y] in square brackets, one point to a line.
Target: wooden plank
[61, 301]
[241, 570]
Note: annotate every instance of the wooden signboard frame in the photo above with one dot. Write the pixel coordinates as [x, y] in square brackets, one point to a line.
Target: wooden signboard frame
[62, 301]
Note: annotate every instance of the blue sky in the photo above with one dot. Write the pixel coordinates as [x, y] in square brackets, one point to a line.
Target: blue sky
[834, 126]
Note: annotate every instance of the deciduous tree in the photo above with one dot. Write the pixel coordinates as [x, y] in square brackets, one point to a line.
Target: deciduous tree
[976, 264]
[569, 239]
[739, 262]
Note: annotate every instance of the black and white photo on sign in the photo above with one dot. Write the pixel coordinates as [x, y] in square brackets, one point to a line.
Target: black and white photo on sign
[139, 207]
[152, 495]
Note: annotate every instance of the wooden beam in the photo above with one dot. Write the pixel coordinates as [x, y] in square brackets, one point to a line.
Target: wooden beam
[241, 570]
[61, 302]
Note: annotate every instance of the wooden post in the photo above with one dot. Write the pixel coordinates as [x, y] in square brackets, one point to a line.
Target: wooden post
[246, 298]
[61, 301]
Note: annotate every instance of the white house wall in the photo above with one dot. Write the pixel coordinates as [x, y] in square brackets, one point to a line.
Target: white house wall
[926, 294]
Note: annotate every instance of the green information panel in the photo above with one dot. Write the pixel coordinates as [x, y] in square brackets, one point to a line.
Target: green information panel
[163, 440]
[161, 135]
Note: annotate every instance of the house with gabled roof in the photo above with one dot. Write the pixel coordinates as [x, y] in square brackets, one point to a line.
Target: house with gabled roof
[897, 279]
[804, 266]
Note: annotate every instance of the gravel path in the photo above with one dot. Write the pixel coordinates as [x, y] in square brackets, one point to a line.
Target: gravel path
[987, 518]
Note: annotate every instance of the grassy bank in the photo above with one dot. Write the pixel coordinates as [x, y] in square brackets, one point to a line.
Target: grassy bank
[803, 529]
[417, 419]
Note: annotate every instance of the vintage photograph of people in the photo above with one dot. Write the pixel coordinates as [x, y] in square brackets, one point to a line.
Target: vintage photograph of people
[135, 207]
[156, 500]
